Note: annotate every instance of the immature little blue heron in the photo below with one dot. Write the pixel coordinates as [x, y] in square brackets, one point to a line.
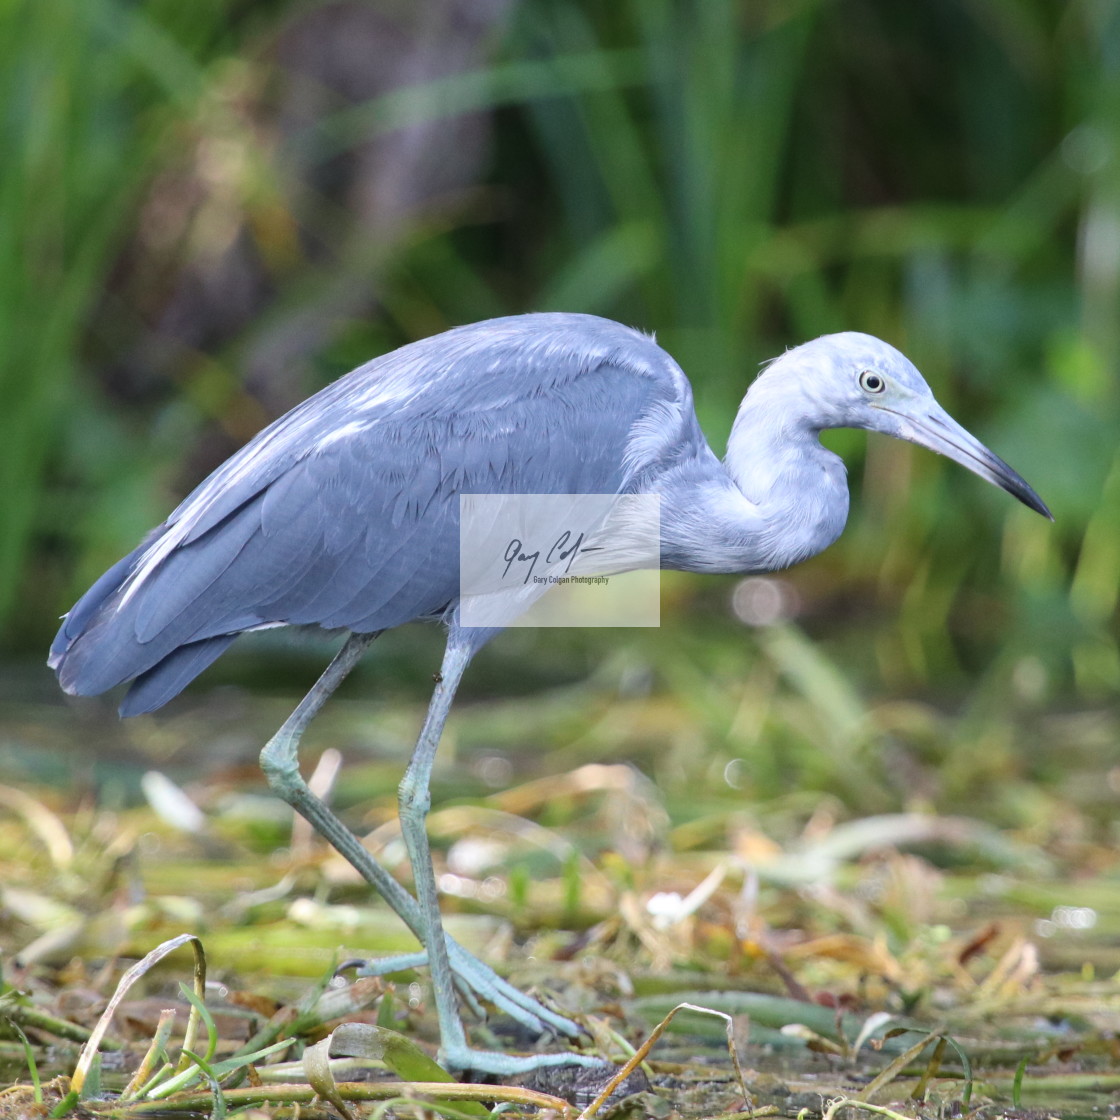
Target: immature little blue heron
[345, 514]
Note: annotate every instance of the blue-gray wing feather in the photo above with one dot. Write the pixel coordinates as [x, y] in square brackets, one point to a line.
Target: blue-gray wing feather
[345, 512]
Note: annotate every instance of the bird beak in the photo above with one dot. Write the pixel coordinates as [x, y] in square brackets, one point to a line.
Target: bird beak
[938, 431]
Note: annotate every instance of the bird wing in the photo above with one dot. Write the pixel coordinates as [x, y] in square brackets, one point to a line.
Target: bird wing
[345, 512]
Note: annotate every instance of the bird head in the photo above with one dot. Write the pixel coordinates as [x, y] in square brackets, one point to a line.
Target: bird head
[857, 381]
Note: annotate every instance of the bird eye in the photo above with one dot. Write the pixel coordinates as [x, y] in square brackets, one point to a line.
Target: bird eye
[871, 382]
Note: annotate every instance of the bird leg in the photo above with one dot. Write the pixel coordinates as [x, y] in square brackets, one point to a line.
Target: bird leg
[280, 763]
[415, 801]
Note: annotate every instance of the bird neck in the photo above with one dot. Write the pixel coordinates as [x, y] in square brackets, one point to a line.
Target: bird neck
[776, 460]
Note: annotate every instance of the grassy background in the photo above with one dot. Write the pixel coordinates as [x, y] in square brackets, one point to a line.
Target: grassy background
[210, 210]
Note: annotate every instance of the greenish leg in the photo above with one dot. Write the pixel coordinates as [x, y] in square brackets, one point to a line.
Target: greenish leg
[451, 965]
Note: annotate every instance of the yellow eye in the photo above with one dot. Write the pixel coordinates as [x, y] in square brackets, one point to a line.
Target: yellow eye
[871, 382]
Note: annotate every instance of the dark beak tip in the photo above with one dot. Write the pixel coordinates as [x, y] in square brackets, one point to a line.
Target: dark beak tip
[1032, 501]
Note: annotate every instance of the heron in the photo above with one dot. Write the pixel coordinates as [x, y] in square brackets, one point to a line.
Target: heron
[344, 514]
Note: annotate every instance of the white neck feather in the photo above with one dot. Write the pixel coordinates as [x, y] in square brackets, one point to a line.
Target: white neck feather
[776, 460]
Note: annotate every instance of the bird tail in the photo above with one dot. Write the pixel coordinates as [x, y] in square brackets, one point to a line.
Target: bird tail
[96, 648]
[81, 614]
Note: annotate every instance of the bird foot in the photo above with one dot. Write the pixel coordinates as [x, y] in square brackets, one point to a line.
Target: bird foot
[476, 981]
[463, 1058]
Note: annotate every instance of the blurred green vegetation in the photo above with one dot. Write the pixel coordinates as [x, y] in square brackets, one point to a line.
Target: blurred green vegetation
[209, 210]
